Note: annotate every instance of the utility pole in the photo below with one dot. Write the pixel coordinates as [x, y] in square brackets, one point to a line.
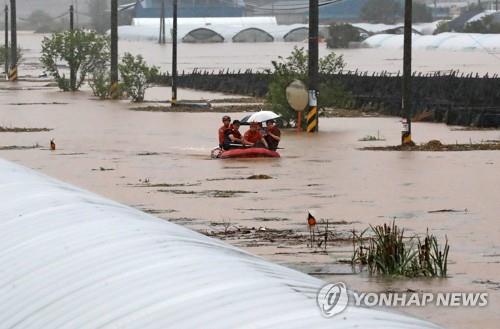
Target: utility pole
[114, 49]
[71, 18]
[312, 115]
[163, 21]
[13, 42]
[407, 90]
[174, 54]
[7, 40]
[161, 39]
[72, 75]
[77, 13]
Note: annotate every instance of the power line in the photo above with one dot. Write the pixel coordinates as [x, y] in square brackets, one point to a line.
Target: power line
[483, 47]
[26, 19]
[277, 8]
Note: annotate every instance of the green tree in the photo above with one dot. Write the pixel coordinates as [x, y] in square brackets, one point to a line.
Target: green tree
[136, 76]
[442, 27]
[295, 67]
[82, 51]
[100, 82]
[485, 25]
[381, 11]
[340, 35]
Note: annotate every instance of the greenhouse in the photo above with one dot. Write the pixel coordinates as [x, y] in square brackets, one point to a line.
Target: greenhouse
[209, 30]
[73, 259]
[442, 41]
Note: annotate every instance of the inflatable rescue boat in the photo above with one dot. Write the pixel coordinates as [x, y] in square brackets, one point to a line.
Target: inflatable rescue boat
[251, 152]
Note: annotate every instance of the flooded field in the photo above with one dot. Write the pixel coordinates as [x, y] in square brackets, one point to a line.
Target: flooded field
[159, 162]
[258, 56]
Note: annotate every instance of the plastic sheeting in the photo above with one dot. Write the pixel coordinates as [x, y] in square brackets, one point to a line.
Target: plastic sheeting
[442, 41]
[227, 31]
[72, 259]
[205, 21]
[481, 15]
[423, 28]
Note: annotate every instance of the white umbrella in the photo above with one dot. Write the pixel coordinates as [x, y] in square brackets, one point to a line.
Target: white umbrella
[263, 116]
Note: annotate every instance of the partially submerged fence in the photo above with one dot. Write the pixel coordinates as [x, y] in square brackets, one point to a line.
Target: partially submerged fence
[451, 97]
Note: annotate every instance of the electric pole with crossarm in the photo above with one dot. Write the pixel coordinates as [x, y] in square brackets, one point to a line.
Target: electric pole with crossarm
[312, 114]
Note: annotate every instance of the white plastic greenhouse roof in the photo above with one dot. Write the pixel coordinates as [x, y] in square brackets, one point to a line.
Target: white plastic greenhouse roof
[72, 259]
[442, 41]
[226, 30]
[481, 15]
[202, 21]
[423, 28]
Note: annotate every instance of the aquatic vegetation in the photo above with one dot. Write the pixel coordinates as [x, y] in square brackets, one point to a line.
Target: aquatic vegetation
[369, 138]
[389, 252]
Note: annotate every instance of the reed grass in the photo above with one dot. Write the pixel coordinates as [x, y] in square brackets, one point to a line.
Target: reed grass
[387, 251]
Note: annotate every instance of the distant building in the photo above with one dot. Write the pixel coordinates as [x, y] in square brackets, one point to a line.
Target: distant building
[286, 12]
[342, 11]
[191, 8]
[289, 12]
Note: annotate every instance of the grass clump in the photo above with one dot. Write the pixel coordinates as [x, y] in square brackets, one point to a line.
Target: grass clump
[389, 252]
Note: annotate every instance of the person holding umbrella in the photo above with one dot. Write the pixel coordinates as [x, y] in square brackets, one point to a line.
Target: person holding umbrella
[253, 137]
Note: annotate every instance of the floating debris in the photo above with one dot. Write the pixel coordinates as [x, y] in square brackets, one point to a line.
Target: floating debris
[152, 153]
[346, 113]
[210, 193]
[437, 146]
[259, 177]
[199, 109]
[225, 178]
[148, 153]
[74, 153]
[103, 169]
[37, 103]
[447, 210]
[271, 219]
[489, 284]
[147, 184]
[158, 211]
[17, 147]
[22, 130]
[370, 138]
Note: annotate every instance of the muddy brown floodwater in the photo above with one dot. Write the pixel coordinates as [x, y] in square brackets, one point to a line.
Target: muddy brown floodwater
[258, 56]
[159, 162]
